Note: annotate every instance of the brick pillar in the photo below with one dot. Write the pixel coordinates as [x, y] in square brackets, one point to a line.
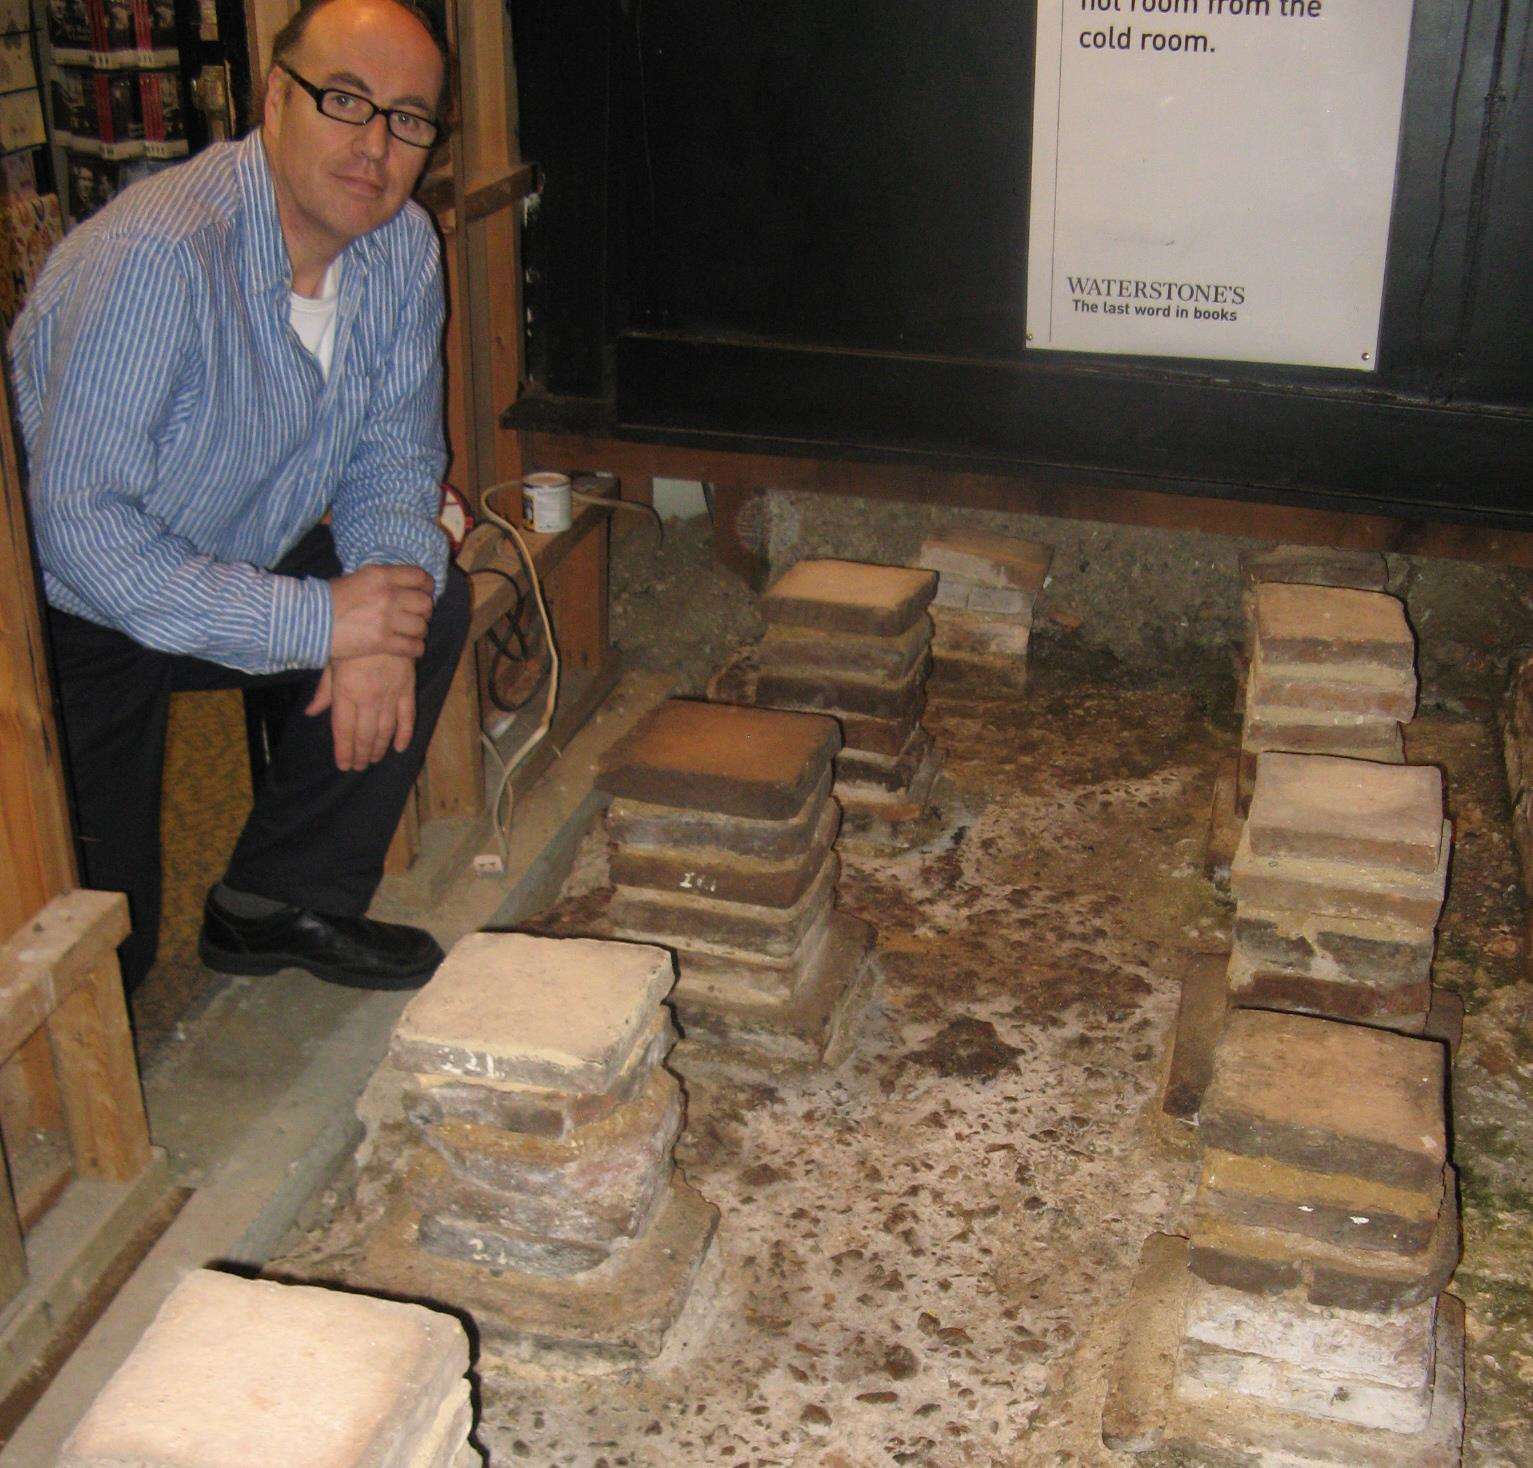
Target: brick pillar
[720, 840]
[852, 641]
[540, 1196]
[1302, 1316]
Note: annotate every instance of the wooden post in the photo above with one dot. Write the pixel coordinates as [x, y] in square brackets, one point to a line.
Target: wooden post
[59, 971]
[263, 19]
[405, 846]
[501, 246]
[93, 1051]
[462, 466]
[36, 846]
[36, 849]
[455, 758]
[13, 1256]
[577, 603]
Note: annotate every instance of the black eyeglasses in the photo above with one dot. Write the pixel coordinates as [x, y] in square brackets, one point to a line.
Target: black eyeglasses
[342, 106]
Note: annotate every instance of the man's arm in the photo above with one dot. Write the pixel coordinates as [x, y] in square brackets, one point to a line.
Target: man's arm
[385, 507]
[385, 513]
[119, 345]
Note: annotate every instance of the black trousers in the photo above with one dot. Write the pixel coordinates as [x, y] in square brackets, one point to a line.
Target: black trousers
[316, 837]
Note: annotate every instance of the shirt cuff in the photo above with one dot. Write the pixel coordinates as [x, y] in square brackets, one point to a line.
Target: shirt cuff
[301, 628]
[430, 555]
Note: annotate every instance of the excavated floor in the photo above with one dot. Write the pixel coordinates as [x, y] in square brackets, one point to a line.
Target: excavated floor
[923, 1253]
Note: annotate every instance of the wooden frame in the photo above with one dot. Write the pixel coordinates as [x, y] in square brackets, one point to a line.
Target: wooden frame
[66, 1054]
[737, 476]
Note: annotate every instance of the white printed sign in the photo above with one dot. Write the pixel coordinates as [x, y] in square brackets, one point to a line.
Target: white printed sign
[1214, 178]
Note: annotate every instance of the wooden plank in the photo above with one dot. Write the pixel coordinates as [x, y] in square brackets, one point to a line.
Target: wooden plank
[93, 1054]
[263, 19]
[495, 245]
[482, 36]
[405, 845]
[494, 197]
[454, 774]
[13, 1254]
[36, 844]
[577, 601]
[77, 1256]
[493, 598]
[46, 959]
[461, 468]
[36, 847]
[29, 1094]
[1066, 498]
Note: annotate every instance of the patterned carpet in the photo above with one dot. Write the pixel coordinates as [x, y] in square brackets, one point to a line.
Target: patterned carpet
[207, 797]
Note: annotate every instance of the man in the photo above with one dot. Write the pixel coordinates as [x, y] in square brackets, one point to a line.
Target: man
[223, 355]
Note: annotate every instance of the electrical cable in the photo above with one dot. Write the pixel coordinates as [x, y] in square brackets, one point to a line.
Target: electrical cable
[508, 766]
[505, 653]
[579, 497]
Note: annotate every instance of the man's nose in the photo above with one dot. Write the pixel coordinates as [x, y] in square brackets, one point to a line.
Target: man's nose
[373, 136]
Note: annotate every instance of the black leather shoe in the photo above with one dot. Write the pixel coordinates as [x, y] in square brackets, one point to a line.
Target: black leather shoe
[354, 951]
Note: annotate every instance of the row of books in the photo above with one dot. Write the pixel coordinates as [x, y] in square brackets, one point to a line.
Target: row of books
[119, 114]
[111, 35]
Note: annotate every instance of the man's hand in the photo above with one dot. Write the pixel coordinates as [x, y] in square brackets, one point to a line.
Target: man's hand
[372, 706]
[380, 609]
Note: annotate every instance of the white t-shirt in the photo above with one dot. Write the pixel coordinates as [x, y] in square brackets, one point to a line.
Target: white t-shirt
[313, 318]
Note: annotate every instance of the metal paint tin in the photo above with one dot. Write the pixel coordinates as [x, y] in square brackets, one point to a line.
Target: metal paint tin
[546, 503]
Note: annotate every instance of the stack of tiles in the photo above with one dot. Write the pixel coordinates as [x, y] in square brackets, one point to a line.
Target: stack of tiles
[720, 840]
[853, 641]
[239, 1372]
[1299, 565]
[1302, 1319]
[1325, 1172]
[1333, 672]
[1338, 880]
[1285, 565]
[540, 1182]
[982, 614]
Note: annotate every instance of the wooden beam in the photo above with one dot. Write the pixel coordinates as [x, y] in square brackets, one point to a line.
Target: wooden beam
[577, 605]
[1070, 499]
[59, 972]
[36, 847]
[405, 845]
[462, 465]
[482, 36]
[13, 1254]
[494, 197]
[55, 953]
[36, 843]
[454, 774]
[494, 248]
[263, 19]
[492, 595]
[98, 1077]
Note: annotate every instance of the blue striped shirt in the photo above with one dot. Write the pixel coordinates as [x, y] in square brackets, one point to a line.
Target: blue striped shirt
[180, 438]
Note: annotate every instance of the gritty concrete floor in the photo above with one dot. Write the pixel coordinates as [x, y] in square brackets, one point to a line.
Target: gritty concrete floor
[923, 1254]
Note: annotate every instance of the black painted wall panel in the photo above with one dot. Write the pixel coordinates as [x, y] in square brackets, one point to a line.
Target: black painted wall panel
[813, 231]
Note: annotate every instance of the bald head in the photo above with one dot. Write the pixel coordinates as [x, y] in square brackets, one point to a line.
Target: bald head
[288, 42]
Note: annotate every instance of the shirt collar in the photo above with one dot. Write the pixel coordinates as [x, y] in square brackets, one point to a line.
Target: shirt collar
[265, 250]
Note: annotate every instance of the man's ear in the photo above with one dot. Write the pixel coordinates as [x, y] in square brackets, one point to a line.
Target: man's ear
[272, 96]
